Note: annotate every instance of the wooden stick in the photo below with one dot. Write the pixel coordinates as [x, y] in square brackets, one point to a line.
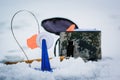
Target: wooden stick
[30, 61]
[26, 61]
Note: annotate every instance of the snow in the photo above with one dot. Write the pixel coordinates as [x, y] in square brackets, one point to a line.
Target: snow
[11, 58]
[101, 14]
[71, 69]
[87, 29]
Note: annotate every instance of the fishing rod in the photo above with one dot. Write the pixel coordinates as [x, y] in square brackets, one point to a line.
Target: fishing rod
[14, 34]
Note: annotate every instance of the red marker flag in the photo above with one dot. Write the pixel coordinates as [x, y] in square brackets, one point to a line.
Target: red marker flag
[71, 28]
[31, 42]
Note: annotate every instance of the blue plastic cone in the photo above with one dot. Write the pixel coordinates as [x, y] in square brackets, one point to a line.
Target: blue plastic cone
[45, 64]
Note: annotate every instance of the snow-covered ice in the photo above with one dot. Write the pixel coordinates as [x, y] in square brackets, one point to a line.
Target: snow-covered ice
[72, 69]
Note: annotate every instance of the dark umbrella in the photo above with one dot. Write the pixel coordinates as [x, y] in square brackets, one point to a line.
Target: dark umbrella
[57, 25]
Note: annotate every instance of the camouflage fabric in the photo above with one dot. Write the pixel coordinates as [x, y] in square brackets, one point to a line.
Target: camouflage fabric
[86, 44]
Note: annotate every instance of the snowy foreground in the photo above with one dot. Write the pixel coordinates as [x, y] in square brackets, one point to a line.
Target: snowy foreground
[70, 69]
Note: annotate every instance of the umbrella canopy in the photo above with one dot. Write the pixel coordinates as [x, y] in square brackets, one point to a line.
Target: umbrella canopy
[57, 25]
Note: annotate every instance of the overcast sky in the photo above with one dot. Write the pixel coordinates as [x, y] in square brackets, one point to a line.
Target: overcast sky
[100, 14]
[82, 10]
